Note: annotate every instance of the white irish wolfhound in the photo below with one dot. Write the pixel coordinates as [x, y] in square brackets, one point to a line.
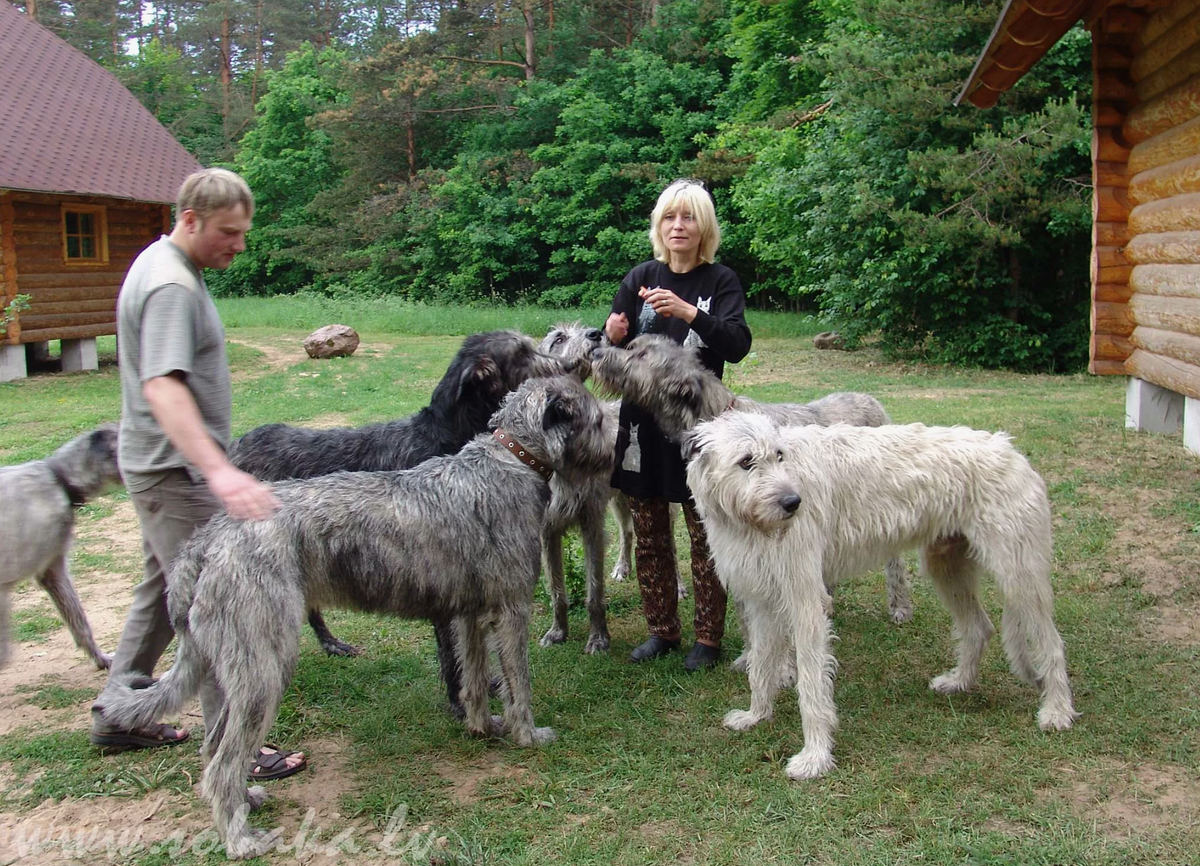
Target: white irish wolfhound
[791, 510]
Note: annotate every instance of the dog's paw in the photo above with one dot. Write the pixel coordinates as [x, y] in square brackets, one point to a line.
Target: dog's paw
[951, 683]
[902, 614]
[809, 765]
[532, 736]
[554, 636]
[335, 647]
[103, 660]
[598, 642]
[620, 572]
[1056, 719]
[681, 590]
[251, 843]
[541, 736]
[741, 664]
[256, 796]
[740, 720]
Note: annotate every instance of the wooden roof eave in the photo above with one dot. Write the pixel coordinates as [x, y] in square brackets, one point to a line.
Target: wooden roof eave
[1024, 32]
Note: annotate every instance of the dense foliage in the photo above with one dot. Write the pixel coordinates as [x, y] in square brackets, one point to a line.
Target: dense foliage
[509, 150]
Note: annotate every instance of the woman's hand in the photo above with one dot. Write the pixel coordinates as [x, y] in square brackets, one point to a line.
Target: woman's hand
[617, 327]
[668, 304]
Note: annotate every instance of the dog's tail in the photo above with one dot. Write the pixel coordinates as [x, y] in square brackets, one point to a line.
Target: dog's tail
[132, 701]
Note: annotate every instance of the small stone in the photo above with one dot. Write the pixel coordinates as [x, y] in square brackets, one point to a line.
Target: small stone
[331, 341]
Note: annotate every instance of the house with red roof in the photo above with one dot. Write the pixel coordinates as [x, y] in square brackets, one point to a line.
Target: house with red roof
[87, 177]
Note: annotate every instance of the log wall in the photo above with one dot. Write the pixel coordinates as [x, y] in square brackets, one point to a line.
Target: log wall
[1160, 320]
[76, 300]
[8, 266]
[1113, 99]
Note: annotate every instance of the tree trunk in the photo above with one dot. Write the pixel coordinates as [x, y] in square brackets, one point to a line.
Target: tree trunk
[31, 9]
[530, 59]
[226, 75]
[258, 52]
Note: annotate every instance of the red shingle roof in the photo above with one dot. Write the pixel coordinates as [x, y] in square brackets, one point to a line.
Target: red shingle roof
[68, 126]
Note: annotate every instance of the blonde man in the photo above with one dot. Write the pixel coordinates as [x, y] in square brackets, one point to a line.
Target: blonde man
[176, 407]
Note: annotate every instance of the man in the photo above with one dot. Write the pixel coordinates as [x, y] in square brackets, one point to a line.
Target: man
[176, 407]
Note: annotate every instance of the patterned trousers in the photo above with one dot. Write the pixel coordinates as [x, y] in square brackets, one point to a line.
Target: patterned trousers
[657, 572]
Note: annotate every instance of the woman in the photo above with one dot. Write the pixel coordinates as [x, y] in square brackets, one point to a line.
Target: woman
[685, 296]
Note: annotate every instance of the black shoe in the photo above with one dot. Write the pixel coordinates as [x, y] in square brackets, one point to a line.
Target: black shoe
[701, 656]
[654, 647]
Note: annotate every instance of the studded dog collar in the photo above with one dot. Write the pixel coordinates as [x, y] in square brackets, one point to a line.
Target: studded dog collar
[522, 453]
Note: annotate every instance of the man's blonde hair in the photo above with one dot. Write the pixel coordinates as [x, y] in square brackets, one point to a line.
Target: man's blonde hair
[691, 196]
[213, 189]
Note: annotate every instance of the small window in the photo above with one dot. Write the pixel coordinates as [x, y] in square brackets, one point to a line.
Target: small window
[85, 234]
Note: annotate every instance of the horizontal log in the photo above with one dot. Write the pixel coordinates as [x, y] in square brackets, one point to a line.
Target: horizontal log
[1110, 233]
[75, 332]
[1111, 293]
[1108, 256]
[1177, 71]
[1112, 56]
[1110, 204]
[43, 265]
[1108, 145]
[1166, 313]
[1178, 39]
[43, 206]
[1099, 367]
[1110, 174]
[1179, 213]
[67, 294]
[1174, 178]
[107, 306]
[1106, 347]
[32, 321]
[1178, 376]
[1181, 281]
[70, 279]
[1163, 20]
[1164, 248]
[1167, 110]
[1111, 319]
[1179, 142]
[1172, 344]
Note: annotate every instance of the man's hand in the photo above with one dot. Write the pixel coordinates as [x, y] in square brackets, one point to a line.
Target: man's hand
[243, 495]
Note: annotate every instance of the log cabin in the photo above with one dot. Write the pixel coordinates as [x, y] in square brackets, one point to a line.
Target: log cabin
[87, 177]
[1145, 259]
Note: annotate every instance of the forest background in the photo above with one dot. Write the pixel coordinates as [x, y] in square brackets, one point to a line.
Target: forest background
[483, 151]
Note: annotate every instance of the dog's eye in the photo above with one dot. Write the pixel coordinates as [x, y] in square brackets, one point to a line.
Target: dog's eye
[779, 455]
[746, 463]
[557, 340]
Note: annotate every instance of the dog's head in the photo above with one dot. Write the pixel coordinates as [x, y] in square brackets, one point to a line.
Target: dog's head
[573, 344]
[737, 471]
[559, 421]
[491, 364]
[664, 378]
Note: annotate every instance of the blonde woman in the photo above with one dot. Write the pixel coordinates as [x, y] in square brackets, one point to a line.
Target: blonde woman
[685, 295]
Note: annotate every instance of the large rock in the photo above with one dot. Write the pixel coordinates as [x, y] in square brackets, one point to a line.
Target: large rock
[331, 341]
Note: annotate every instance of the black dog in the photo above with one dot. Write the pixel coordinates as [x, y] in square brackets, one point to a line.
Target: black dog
[485, 369]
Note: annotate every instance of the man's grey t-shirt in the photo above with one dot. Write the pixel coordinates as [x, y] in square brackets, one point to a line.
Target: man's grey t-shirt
[166, 322]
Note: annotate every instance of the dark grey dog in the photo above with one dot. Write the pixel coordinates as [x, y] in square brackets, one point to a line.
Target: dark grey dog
[37, 517]
[457, 538]
[669, 381]
[484, 370]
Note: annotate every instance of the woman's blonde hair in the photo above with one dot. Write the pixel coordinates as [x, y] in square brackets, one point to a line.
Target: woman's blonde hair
[212, 189]
[690, 195]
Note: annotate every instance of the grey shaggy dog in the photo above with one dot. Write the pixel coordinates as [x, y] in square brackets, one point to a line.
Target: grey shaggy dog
[37, 519]
[457, 538]
[670, 381]
[580, 503]
[793, 510]
[486, 368]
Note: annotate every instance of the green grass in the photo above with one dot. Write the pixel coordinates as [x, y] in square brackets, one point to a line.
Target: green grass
[643, 772]
[34, 625]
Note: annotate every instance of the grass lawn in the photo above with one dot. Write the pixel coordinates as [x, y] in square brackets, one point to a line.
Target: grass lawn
[643, 772]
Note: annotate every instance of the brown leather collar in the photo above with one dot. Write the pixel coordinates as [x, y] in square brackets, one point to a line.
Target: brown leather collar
[522, 453]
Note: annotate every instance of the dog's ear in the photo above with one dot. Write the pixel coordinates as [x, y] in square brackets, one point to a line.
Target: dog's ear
[483, 375]
[558, 411]
[687, 391]
[689, 445]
